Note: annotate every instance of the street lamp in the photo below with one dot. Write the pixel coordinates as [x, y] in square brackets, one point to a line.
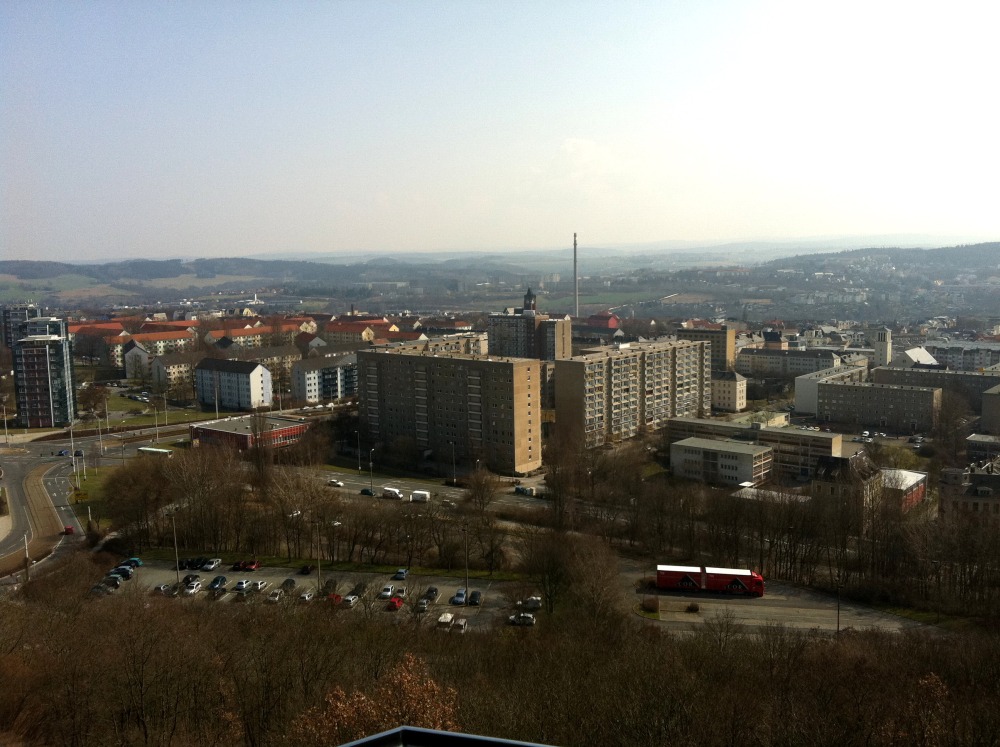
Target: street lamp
[177, 559]
[465, 531]
[454, 473]
[371, 479]
[358, 434]
[6, 438]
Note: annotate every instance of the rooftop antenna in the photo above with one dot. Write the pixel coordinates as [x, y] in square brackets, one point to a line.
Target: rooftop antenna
[576, 280]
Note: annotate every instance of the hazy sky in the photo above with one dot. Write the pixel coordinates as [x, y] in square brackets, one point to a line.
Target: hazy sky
[215, 128]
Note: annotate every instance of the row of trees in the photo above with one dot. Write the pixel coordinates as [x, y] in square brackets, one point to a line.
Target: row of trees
[136, 669]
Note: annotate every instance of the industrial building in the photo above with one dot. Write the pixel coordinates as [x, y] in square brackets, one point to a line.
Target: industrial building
[248, 431]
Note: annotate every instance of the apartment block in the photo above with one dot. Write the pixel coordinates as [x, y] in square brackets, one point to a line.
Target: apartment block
[525, 333]
[795, 453]
[722, 340]
[779, 363]
[965, 356]
[729, 391]
[43, 374]
[903, 409]
[12, 319]
[807, 385]
[467, 407]
[721, 462]
[325, 379]
[233, 385]
[967, 384]
[609, 394]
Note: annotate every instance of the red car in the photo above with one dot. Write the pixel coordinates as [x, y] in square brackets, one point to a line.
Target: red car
[250, 565]
[394, 604]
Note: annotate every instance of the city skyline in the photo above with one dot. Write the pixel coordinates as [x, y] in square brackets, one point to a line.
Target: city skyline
[184, 129]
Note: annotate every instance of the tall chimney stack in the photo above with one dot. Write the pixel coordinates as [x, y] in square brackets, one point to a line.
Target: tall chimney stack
[576, 281]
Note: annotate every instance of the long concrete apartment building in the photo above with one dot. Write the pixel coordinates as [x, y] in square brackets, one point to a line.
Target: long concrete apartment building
[807, 385]
[968, 384]
[468, 407]
[903, 409]
[774, 363]
[609, 394]
[795, 453]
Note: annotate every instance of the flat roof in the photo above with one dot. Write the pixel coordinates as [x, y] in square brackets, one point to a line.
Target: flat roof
[244, 423]
[738, 447]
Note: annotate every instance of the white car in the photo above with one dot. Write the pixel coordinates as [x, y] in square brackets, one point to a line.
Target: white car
[307, 595]
[336, 483]
[350, 600]
[242, 586]
[386, 592]
[258, 585]
[275, 596]
[212, 564]
[192, 588]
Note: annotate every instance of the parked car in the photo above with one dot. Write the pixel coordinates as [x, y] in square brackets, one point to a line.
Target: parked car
[125, 571]
[531, 603]
[350, 600]
[432, 594]
[459, 625]
[64, 452]
[401, 592]
[448, 503]
[258, 585]
[394, 604]
[134, 562]
[288, 584]
[242, 586]
[329, 586]
[476, 598]
[401, 574]
[386, 592]
[367, 491]
[191, 578]
[212, 564]
[360, 588]
[164, 589]
[192, 588]
[521, 618]
[69, 530]
[275, 596]
[217, 583]
[422, 604]
[336, 483]
[113, 582]
[459, 597]
[306, 570]
[251, 565]
[307, 596]
[78, 453]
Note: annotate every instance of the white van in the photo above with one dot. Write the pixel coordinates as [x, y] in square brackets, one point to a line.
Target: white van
[420, 496]
[393, 493]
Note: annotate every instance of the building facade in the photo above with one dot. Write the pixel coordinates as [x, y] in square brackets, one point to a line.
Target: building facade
[325, 379]
[795, 453]
[12, 319]
[610, 394]
[467, 407]
[776, 362]
[721, 462]
[246, 432]
[729, 391]
[525, 333]
[903, 409]
[233, 385]
[722, 340]
[43, 374]
[969, 385]
[807, 385]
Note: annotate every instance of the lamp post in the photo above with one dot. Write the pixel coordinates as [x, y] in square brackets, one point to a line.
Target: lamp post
[454, 473]
[165, 416]
[839, 584]
[371, 479]
[465, 531]
[358, 434]
[6, 438]
[177, 559]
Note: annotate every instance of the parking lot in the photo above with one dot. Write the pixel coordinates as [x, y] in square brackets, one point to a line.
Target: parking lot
[493, 603]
